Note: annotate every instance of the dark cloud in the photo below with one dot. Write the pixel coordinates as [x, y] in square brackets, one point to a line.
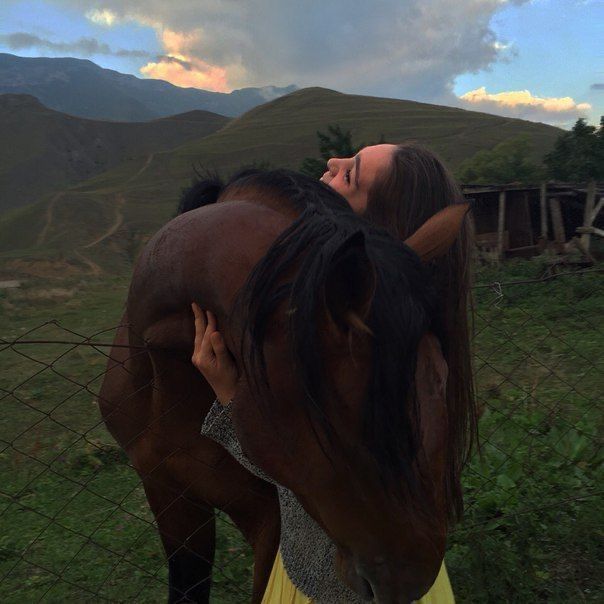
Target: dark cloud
[83, 46]
[399, 48]
[124, 52]
[597, 87]
[168, 59]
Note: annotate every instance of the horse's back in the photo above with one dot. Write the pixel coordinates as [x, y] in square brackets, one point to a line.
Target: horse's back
[205, 256]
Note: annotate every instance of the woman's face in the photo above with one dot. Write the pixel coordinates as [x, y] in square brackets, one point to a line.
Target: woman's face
[352, 177]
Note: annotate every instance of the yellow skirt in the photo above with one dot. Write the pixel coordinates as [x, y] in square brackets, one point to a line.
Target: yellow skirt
[280, 590]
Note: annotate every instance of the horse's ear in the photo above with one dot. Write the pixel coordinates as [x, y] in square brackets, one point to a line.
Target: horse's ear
[350, 285]
[437, 234]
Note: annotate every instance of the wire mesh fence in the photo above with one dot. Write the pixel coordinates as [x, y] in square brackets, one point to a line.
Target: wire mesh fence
[75, 524]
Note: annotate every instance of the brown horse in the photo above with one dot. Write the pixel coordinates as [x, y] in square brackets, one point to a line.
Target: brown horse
[341, 391]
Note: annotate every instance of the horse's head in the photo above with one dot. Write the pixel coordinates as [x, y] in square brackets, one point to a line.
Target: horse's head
[344, 396]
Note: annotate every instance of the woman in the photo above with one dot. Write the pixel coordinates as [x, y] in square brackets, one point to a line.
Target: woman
[397, 187]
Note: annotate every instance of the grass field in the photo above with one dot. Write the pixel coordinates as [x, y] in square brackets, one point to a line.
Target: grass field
[532, 531]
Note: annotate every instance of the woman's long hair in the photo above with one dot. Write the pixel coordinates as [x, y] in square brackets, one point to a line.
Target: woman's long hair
[416, 187]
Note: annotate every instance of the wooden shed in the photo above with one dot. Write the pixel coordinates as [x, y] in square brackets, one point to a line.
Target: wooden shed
[517, 220]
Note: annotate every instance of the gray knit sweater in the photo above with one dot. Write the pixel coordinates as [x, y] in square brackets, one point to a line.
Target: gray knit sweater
[308, 553]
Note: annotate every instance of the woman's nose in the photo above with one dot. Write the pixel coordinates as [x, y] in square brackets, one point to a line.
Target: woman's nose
[333, 165]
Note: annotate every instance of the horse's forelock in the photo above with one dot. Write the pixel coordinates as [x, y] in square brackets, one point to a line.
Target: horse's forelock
[400, 313]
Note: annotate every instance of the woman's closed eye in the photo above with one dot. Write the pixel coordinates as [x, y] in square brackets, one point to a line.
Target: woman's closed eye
[347, 176]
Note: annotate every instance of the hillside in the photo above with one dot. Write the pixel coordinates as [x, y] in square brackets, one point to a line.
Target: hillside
[82, 88]
[283, 132]
[106, 219]
[43, 150]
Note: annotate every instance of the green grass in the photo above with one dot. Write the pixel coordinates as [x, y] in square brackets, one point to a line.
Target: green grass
[532, 531]
[62, 477]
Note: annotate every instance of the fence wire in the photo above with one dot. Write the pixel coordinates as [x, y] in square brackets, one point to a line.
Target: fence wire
[75, 524]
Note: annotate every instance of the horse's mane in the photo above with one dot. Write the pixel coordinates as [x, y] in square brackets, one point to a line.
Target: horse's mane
[210, 188]
[296, 268]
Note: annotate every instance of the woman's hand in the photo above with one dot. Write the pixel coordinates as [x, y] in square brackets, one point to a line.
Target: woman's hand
[212, 357]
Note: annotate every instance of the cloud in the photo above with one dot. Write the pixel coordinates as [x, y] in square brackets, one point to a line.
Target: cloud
[178, 65]
[181, 67]
[102, 17]
[523, 104]
[523, 98]
[193, 73]
[597, 87]
[84, 46]
[399, 48]
[497, 45]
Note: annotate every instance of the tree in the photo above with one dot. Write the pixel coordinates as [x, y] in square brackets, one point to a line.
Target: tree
[508, 162]
[336, 143]
[578, 155]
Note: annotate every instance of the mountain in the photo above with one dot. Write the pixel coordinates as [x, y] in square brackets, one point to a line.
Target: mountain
[104, 221]
[80, 87]
[43, 149]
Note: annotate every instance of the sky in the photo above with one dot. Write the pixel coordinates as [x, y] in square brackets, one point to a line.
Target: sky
[541, 60]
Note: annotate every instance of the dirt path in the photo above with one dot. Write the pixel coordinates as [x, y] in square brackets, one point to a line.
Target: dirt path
[117, 223]
[145, 166]
[49, 216]
[120, 201]
[94, 267]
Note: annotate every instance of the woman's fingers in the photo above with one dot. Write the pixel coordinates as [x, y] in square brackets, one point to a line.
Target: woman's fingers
[222, 353]
[210, 347]
[212, 324]
[200, 329]
[217, 343]
[220, 350]
[207, 347]
[200, 322]
[202, 352]
[206, 351]
[225, 364]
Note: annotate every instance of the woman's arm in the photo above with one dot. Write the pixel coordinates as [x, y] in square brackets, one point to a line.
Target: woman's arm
[213, 359]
